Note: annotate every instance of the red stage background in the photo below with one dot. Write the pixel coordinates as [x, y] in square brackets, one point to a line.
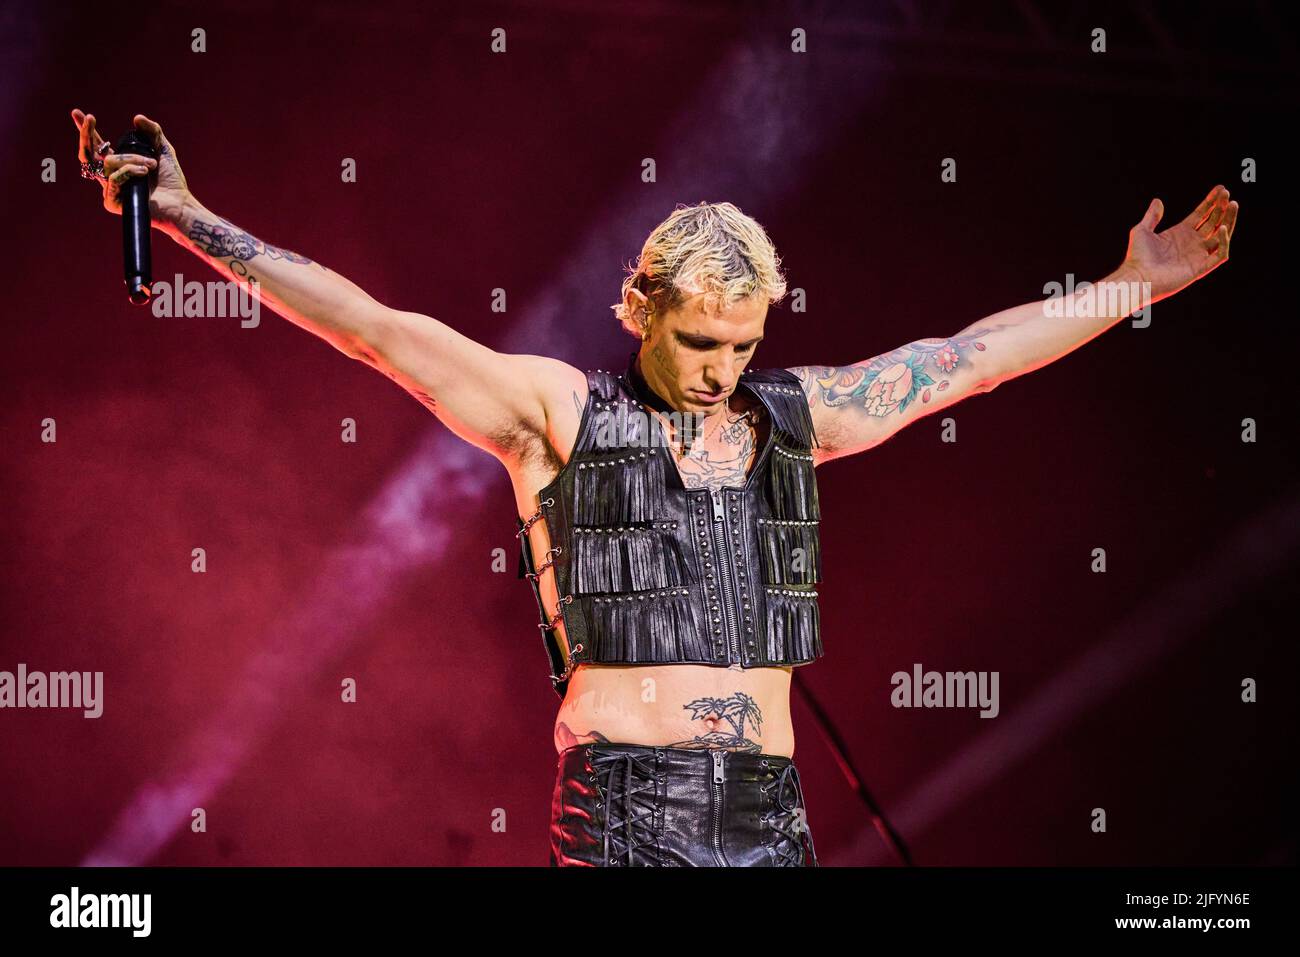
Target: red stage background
[521, 171]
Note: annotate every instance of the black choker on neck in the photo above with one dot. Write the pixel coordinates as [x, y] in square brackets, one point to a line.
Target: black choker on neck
[642, 388]
[654, 400]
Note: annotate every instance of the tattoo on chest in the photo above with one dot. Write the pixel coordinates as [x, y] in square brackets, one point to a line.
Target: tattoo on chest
[727, 457]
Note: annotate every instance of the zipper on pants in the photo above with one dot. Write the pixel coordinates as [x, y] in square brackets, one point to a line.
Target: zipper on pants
[724, 572]
[719, 776]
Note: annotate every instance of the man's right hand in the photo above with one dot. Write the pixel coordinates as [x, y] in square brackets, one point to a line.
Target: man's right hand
[168, 192]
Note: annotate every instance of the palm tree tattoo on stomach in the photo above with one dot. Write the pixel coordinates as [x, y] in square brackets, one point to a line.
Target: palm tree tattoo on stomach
[736, 711]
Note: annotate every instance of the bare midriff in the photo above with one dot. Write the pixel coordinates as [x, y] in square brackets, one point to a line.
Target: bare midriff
[678, 705]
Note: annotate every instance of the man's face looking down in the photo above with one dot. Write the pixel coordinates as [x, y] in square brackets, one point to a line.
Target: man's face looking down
[693, 358]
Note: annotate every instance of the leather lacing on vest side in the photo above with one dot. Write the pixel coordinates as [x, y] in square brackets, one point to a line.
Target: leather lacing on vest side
[629, 802]
[547, 626]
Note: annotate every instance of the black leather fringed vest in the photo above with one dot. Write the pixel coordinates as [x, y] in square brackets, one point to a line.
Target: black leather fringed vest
[652, 572]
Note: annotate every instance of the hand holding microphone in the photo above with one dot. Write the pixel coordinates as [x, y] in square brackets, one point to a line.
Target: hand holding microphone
[144, 189]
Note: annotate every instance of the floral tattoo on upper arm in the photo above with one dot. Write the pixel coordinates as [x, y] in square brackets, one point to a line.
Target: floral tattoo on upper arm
[895, 380]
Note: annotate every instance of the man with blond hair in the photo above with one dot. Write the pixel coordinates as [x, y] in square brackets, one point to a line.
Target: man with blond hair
[667, 512]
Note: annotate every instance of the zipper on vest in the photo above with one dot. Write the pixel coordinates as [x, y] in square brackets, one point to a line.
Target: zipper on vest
[724, 573]
[719, 776]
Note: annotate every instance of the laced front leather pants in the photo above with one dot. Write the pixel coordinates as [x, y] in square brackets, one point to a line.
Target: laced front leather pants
[629, 805]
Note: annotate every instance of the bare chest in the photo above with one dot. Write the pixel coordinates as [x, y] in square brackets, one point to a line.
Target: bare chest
[724, 453]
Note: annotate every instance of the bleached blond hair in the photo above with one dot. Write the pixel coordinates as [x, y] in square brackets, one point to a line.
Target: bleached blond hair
[709, 248]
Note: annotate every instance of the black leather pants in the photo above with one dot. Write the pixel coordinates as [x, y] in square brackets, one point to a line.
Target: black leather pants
[621, 805]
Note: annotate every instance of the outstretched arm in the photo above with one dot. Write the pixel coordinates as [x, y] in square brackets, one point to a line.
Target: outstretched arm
[493, 400]
[858, 406]
[496, 401]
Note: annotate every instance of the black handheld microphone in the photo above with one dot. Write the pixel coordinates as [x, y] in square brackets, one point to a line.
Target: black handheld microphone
[136, 261]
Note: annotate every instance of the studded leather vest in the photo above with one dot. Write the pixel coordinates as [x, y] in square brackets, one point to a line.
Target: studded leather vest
[650, 571]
